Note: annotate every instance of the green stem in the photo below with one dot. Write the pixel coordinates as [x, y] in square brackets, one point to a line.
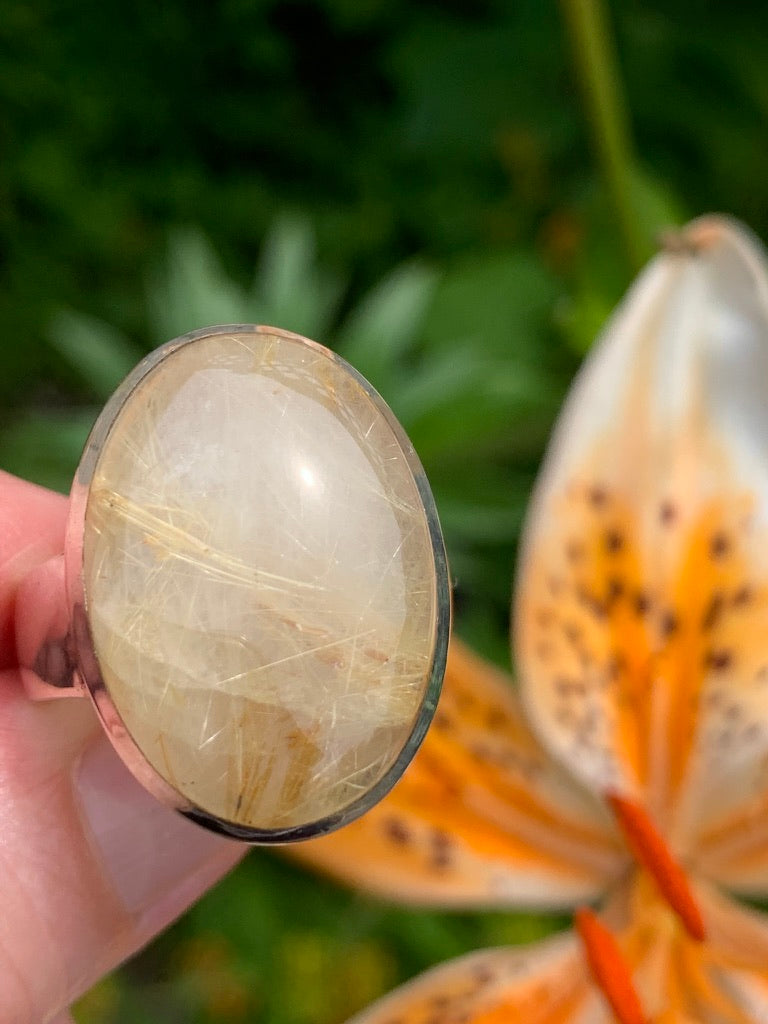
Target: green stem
[598, 74]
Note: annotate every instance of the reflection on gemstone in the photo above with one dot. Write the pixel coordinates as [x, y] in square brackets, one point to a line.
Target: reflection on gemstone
[260, 579]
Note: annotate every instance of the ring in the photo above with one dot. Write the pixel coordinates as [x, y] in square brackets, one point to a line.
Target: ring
[257, 586]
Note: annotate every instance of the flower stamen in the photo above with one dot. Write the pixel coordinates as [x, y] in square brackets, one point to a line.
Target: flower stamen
[653, 853]
[608, 967]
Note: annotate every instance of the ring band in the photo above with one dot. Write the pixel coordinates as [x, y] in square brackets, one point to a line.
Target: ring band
[256, 582]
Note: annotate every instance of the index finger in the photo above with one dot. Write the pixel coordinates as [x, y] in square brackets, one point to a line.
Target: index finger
[32, 526]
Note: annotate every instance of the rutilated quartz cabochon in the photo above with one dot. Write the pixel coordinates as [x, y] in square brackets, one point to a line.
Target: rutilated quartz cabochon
[263, 583]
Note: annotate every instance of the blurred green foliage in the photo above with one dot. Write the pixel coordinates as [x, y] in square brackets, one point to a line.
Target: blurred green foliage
[436, 128]
[429, 188]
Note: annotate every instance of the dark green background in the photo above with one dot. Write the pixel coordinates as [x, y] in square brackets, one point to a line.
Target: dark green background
[424, 186]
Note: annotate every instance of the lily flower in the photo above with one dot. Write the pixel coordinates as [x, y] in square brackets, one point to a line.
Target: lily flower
[626, 776]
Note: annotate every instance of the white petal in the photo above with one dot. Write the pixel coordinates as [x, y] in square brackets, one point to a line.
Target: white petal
[663, 438]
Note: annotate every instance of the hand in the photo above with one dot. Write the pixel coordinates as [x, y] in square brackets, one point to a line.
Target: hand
[91, 866]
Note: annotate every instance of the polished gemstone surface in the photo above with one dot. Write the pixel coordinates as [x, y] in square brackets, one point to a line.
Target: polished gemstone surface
[259, 579]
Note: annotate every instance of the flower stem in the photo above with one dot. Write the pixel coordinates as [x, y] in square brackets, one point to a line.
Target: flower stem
[598, 75]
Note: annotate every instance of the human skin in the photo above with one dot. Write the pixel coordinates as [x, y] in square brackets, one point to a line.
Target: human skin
[91, 866]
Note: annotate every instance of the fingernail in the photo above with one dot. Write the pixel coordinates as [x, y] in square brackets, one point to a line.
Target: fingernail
[156, 861]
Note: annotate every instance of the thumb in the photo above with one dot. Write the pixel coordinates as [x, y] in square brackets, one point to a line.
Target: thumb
[91, 866]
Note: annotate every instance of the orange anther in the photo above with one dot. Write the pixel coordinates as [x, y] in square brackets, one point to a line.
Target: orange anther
[609, 968]
[653, 853]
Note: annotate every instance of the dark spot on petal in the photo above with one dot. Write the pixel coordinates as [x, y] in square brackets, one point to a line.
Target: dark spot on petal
[545, 617]
[442, 720]
[396, 831]
[495, 718]
[570, 687]
[592, 603]
[574, 551]
[572, 632]
[719, 545]
[598, 496]
[752, 733]
[616, 665]
[481, 752]
[614, 542]
[669, 624]
[667, 513]
[440, 1001]
[641, 603]
[483, 975]
[719, 660]
[742, 596]
[712, 612]
[615, 589]
[441, 849]
[733, 712]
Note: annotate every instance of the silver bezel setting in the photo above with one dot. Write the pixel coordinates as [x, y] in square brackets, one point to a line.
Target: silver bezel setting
[86, 674]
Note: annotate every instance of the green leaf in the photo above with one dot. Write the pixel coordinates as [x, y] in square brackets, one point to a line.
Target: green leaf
[499, 303]
[98, 352]
[46, 446]
[656, 206]
[382, 329]
[289, 288]
[192, 290]
[581, 319]
[459, 404]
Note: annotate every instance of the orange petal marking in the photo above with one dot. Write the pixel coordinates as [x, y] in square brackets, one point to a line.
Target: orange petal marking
[609, 968]
[650, 850]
